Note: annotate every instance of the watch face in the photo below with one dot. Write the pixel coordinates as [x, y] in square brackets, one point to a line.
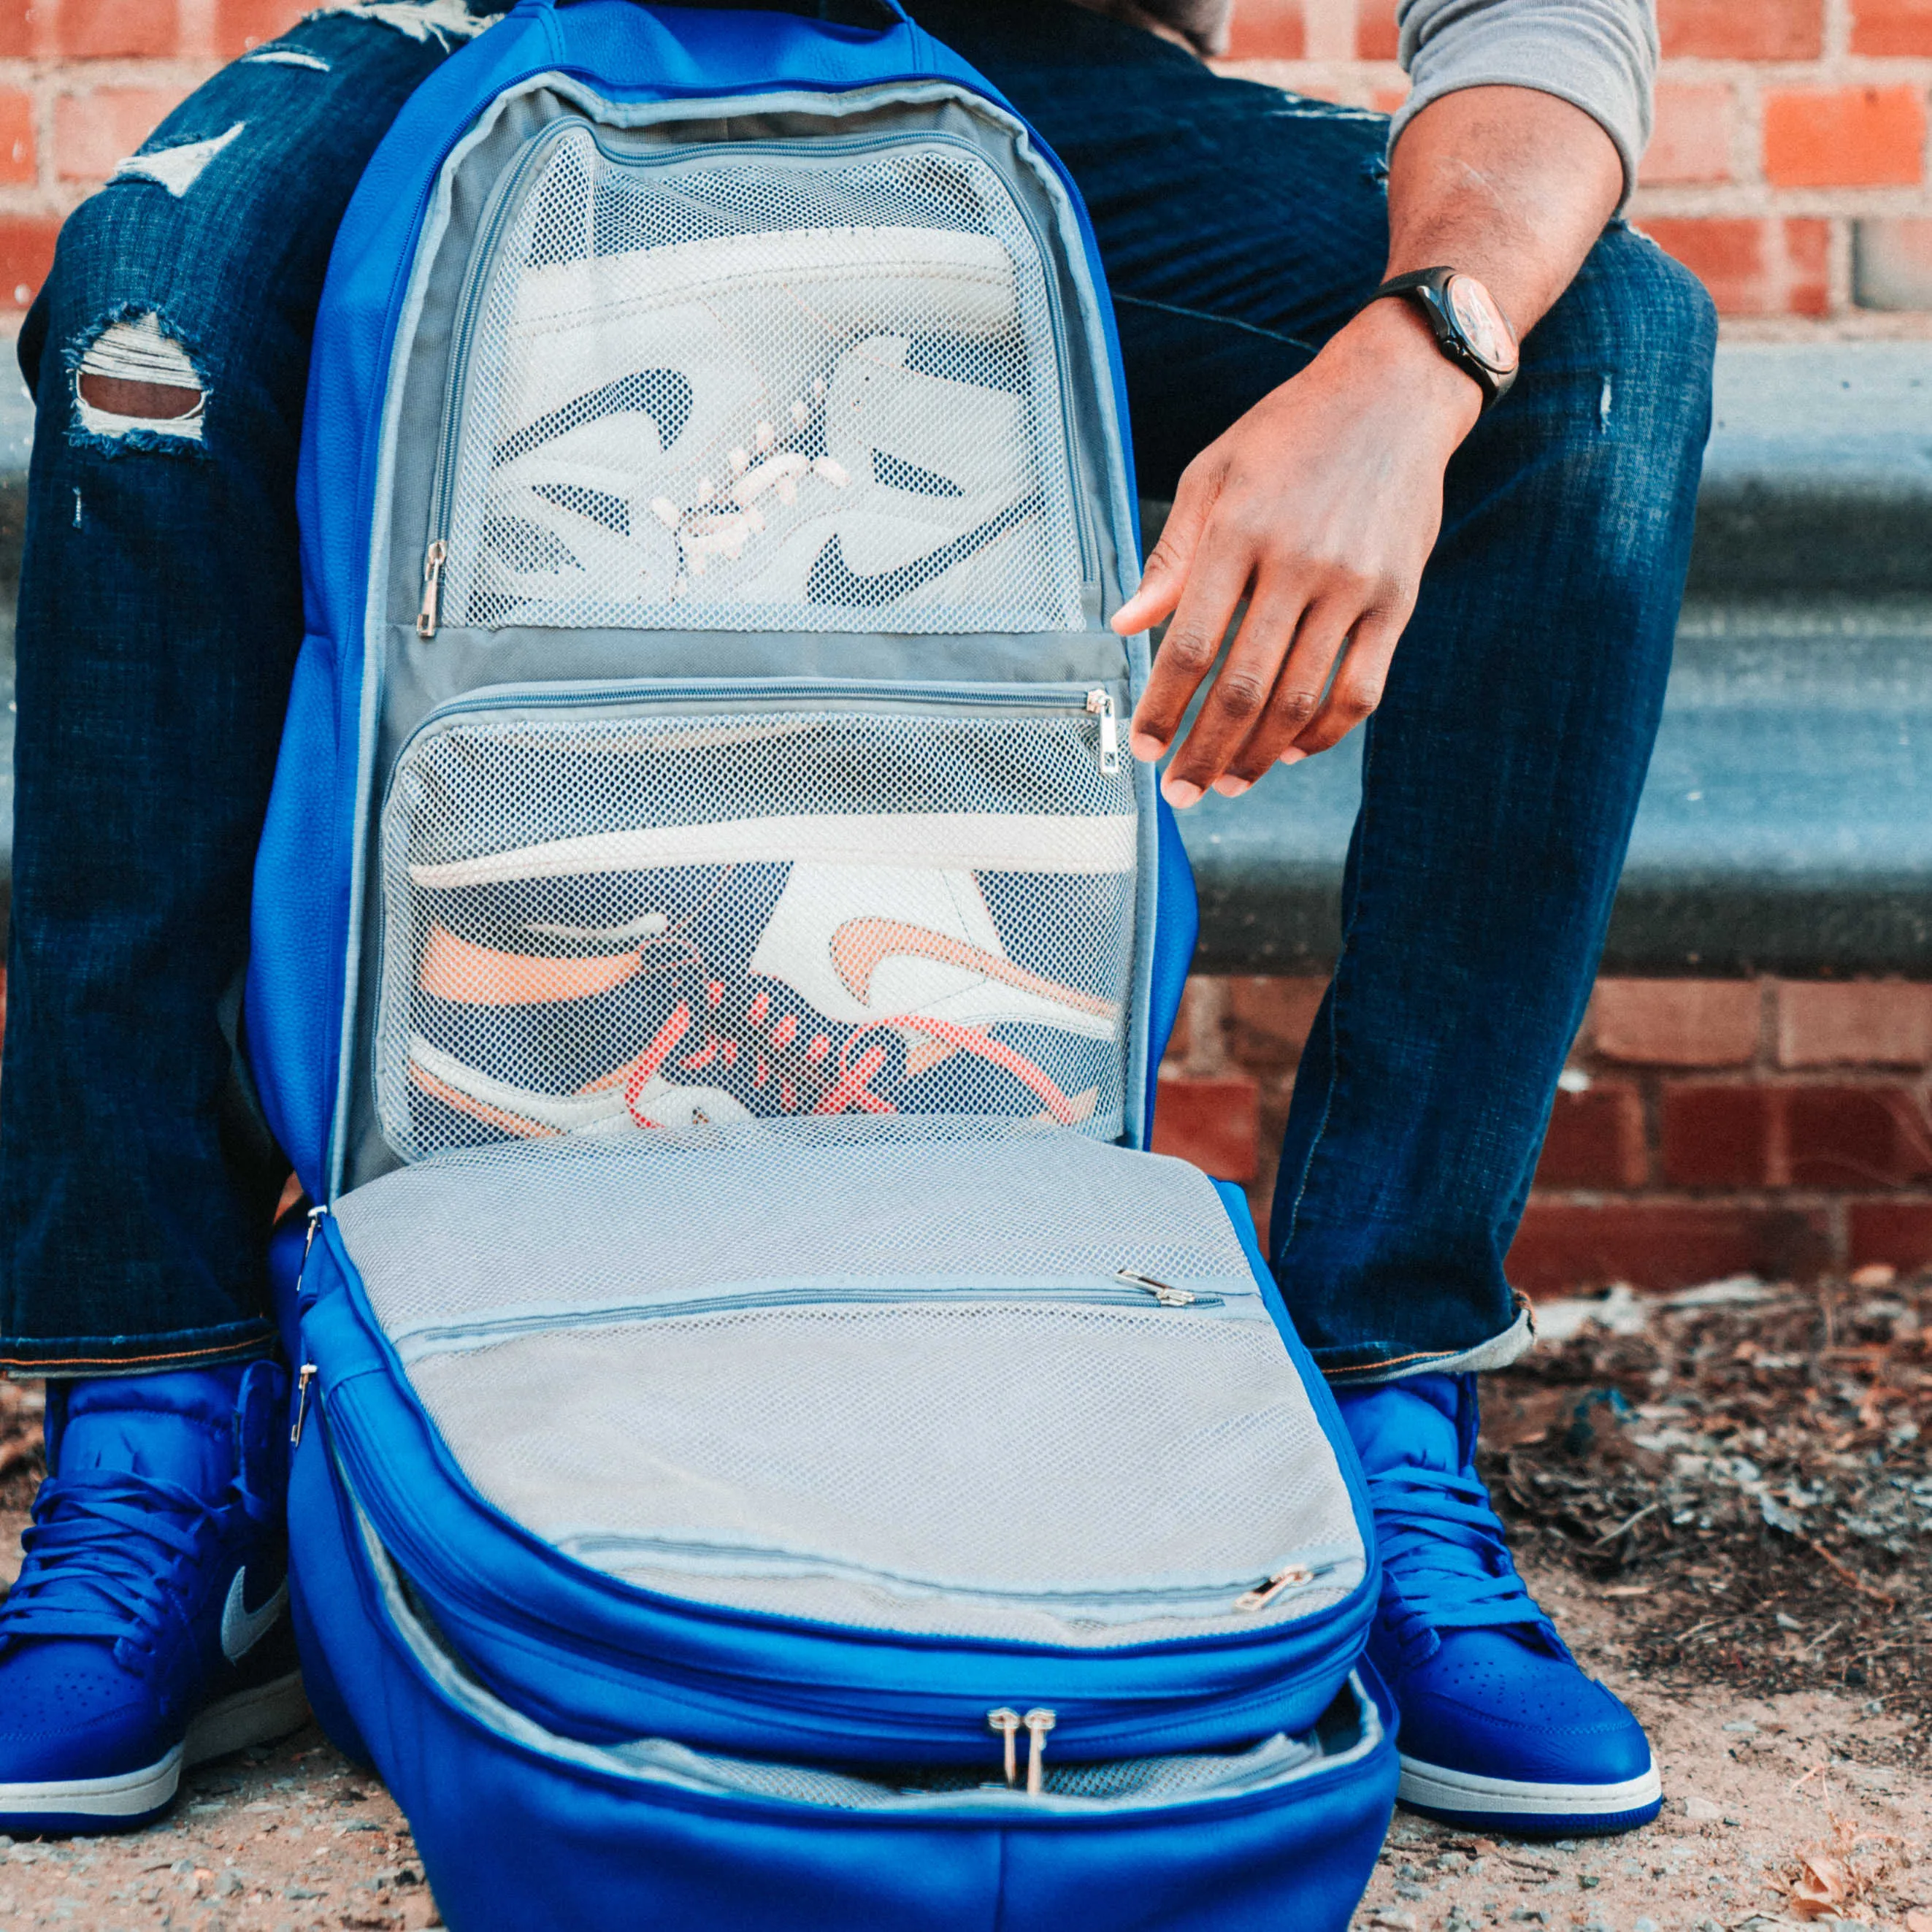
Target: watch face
[1485, 328]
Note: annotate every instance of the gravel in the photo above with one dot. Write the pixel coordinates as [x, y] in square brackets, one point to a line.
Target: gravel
[1725, 1502]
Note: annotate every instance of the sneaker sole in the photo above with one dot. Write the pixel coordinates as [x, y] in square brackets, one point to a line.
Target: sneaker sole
[132, 1798]
[1517, 1805]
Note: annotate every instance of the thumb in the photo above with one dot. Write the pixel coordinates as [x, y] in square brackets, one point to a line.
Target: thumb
[1166, 574]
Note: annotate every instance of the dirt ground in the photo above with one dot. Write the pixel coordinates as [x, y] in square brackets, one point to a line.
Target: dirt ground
[1726, 1501]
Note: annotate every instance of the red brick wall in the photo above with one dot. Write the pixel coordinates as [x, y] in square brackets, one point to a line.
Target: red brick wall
[81, 83]
[1706, 1127]
[1789, 164]
[1789, 168]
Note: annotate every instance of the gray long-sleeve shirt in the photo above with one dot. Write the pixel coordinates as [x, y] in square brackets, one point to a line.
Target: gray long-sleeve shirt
[1599, 55]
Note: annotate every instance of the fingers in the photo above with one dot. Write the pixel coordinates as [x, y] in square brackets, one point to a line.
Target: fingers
[1165, 571]
[1357, 690]
[1217, 579]
[1301, 720]
[1174, 569]
[1249, 687]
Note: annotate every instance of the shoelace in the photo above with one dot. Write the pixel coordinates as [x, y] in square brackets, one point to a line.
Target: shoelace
[1447, 1565]
[90, 1569]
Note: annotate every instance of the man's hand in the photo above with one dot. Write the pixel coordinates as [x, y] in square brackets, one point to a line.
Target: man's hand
[1321, 505]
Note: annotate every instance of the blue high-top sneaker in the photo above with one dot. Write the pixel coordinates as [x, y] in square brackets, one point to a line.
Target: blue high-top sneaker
[1501, 1729]
[149, 1628]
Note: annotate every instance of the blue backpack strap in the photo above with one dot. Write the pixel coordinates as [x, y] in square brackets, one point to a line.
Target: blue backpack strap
[1177, 927]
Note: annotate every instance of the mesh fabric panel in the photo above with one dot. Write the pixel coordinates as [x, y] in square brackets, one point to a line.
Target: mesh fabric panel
[941, 1418]
[762, 390]
[648, 922]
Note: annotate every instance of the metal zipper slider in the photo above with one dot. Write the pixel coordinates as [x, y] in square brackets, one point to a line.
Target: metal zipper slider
[1038, 1723]
[434, 559]
[1263, 1594]
[1164, 1292]
[302, 1381]
[315, 1219]
[1006, 1721]
[1101, 703]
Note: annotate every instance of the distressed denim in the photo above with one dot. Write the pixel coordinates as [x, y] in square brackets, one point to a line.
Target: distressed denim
[1240, 226]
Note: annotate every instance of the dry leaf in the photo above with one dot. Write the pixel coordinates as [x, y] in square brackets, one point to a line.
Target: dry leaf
[1821, 1885]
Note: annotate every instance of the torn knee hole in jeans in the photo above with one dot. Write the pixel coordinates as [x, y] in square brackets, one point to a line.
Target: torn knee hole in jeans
[135, 377]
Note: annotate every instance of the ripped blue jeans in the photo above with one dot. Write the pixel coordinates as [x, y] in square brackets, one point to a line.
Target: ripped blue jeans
[161, 609]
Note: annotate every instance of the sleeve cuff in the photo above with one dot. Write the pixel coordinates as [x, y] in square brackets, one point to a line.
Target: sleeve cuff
[1603, 73]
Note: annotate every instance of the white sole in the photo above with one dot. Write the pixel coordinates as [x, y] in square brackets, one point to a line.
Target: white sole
[248, 1717]
[1440, 1789]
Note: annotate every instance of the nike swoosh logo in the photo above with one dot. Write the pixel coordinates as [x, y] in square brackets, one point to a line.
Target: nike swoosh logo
[662, 394]
[833, 581]
[242, 1628]
[860, 945]
[455, 970]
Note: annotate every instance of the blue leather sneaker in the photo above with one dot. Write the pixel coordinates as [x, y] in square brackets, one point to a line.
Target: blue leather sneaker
[149, 1628]
[1501, 1729]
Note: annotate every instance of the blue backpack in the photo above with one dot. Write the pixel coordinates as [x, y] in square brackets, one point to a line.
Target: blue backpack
[771, 1446]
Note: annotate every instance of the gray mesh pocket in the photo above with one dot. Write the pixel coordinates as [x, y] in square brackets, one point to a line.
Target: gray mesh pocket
[751, 389]
[604, 925]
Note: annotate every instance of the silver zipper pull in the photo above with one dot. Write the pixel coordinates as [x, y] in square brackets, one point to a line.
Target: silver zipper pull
[315, 1218]
[1264, 1594]
[1166, 1293]
[1101, 703]
[434, 559]
[302, 1381]
[1006, 1721]
[1038, 1723]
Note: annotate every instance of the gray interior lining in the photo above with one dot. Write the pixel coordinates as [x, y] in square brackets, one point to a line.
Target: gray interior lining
[920, 1398]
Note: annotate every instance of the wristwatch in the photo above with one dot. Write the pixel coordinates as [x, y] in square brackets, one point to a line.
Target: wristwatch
[1467, 321]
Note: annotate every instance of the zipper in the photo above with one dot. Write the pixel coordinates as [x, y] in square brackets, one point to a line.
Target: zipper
[911, 696]
[1264, 1593]
[302, 1381]
[316, 1215]
[433, 559]
[470, 303]
[454, 1337]
[482, 252]
[1164, 1292]
[307, 1373]
[700, 1557]
[1009, 1724]
[1006, 1721]
[1038, 1723]
[1100, 702]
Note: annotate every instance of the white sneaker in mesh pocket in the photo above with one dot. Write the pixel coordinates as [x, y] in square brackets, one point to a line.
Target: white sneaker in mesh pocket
[652, 454]
[867, 989]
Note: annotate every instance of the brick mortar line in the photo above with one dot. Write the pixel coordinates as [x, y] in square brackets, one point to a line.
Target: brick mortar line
[1890, 1074]
[1837, 24]
[1797, 1200]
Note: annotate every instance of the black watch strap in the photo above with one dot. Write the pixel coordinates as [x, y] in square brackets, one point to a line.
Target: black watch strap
[1428, 290]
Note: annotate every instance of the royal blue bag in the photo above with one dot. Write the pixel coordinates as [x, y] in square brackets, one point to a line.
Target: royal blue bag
[771, 1446]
